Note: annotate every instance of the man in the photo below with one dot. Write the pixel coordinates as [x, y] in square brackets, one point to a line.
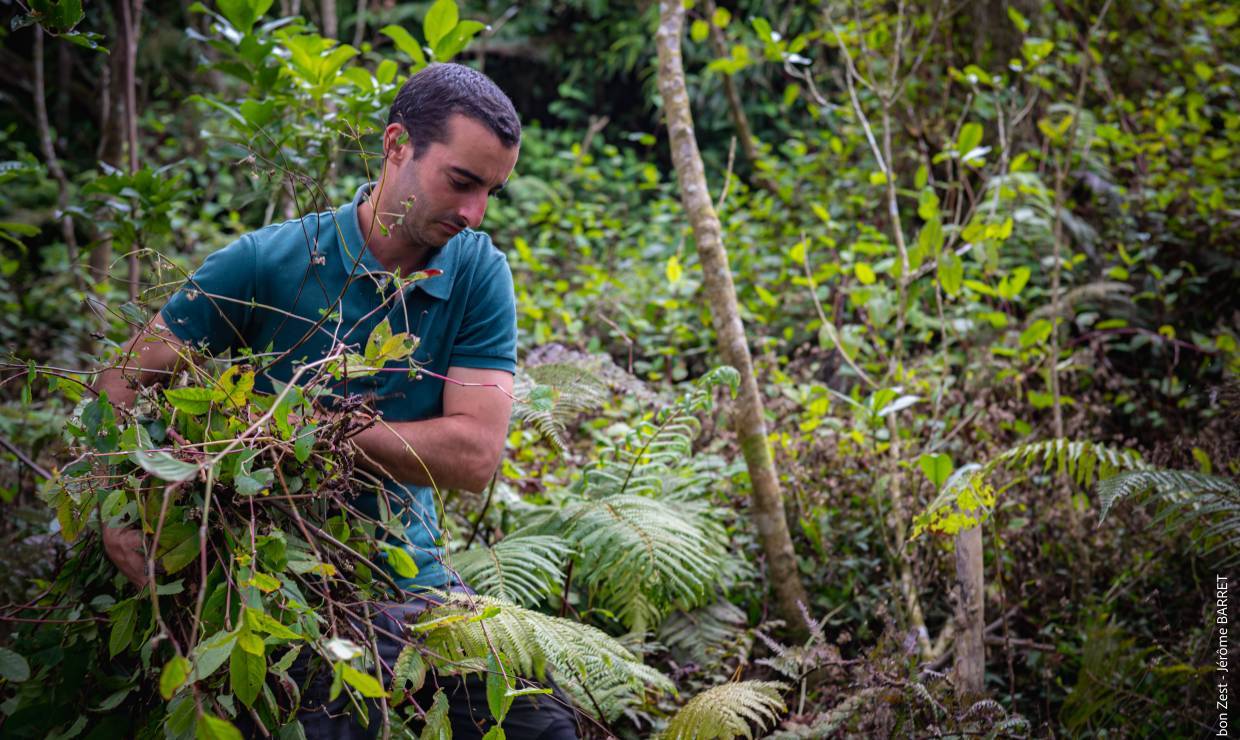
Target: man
[292, 291]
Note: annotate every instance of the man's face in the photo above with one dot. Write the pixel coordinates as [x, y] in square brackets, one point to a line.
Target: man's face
[446, 188]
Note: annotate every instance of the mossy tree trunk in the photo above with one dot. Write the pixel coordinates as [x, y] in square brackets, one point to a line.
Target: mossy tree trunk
[767, 508]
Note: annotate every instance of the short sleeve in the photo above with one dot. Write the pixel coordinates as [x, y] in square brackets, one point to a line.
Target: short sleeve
[213, 308]
[488, 334]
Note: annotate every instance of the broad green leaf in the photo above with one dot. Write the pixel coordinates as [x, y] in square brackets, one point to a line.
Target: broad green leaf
[927, 204]
[243, 14]
[456, 40]
[210, 727]
[721, 17]
[674, 270]
[438, 726]
[410, 670]
[401, 562]
[1019, 20]
[439, 20]
[263, 622]
[865, 273]
[246, 673]
[124, 617]
[406, 43]
[13, 667]
[305, 442]
[1035, 334]
[264, 582]
[173, 676]
[970, 136]
[938, 468]
[194, 401]
[211, 653]
[178, 545]
[250, 642]
[164, 466]
[951, 273]
[699, 31]
[930, 239]
[495, 733]
[498, 686]
[366, 684]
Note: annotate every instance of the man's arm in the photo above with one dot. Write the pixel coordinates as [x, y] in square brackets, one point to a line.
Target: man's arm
[460, 449]
[150, 355]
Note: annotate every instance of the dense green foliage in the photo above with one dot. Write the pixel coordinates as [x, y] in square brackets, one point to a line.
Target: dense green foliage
[986, 257]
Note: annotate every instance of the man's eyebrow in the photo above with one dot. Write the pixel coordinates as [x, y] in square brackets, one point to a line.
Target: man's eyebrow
[462, 172]
[467, 174]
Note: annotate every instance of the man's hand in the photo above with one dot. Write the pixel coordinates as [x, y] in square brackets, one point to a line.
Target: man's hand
[125, 548]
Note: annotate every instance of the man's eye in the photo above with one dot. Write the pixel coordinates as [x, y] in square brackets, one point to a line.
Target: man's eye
[457, 184]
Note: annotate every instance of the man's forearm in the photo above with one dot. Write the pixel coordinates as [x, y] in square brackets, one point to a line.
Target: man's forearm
[150, 357]
[446, 452]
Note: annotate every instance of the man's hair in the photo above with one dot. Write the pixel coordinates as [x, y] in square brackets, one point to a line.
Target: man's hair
[433, 95]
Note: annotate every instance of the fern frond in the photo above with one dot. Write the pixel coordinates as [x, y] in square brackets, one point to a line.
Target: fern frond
[641, 555]
[520, 568]
[726, 711]
[1189, 498]
[702, 635]
[466, 630]
[828, 723]
[550, 396]
[1082, 461]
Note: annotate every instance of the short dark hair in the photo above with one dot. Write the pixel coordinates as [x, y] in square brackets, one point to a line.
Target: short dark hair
[437, 92]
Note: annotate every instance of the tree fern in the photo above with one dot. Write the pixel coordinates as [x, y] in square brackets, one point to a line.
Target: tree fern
[521, 568]
[1189, 498]
[707, 634]
[550, 396]
[726, 711]
[466, 630]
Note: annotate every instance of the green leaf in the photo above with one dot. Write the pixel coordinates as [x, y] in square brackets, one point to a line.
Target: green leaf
[250, 642]
[1020, 21]
[930, 239]
[439, 20]
[721, 17]
[263, 622]
[406, 43]
[951, 273]
[210, 727]
[178, 546]
[938, 468]
[243, 14]
[401, 562]
[457, 39]
[305, 442]
[438, 726]
[164, 466]
[410, 670]
[13, 667]
[970, 137]
[498, 687]
[173, 676]
[211, 653]
[1036, 333]
[124, 618]
[194, 401]
[365, 684]
[246, 673]
[865, 273]
[495, 733]
[699, 31]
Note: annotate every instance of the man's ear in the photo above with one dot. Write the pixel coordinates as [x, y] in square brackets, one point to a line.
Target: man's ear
[396, 144]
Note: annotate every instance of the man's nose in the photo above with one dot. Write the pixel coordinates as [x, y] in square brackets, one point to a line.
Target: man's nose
[473, 209]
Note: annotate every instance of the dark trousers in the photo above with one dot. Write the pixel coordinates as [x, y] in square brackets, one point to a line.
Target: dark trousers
[533, 717]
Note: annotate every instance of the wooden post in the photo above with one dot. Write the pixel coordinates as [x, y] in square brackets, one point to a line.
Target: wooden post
[970, 667]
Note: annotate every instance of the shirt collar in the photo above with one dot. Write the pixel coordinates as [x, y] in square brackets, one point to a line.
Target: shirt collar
[443, 259]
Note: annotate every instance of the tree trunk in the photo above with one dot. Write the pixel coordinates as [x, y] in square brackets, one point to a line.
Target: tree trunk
[970, 666]
[740, 120]
[49, 154]
[748, 420]
[130, 22]
[331, 23]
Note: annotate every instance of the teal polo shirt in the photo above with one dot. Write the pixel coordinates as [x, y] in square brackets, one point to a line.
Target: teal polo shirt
[266, 290]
